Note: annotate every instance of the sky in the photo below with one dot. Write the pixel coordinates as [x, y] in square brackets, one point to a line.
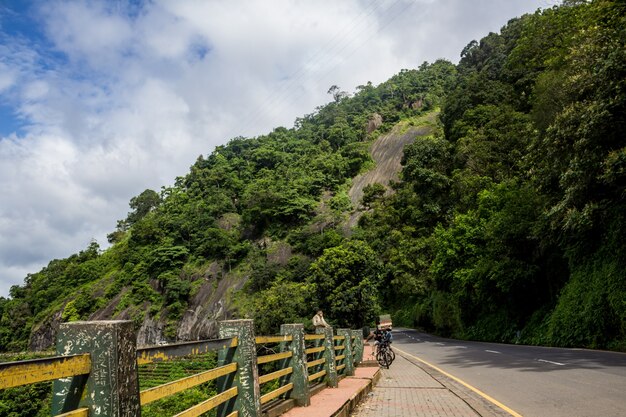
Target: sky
[100, 100]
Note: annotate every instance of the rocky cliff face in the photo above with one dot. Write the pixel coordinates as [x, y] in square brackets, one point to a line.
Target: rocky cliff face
[43, 336]
[387, 153]
[210, 304]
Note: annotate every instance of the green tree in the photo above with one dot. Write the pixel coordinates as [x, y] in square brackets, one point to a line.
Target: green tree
[346, 280]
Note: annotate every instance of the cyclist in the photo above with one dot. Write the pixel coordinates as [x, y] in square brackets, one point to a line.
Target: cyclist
[380, 335]
[387, 337]
[382, 346]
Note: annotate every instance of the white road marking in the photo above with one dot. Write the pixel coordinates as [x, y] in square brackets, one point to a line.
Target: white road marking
[553, 363]
[460, 347]
[492, 351]
[440, 344]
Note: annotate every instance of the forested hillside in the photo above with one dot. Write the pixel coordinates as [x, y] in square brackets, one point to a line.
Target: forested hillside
[507, 223]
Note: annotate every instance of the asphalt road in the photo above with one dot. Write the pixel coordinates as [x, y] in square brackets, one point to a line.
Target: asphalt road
[532, 381]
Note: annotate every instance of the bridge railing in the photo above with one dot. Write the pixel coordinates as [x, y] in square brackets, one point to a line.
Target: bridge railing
[27, 372]
[315, 359]
[278, 364]
[97, 372]
[159, 354]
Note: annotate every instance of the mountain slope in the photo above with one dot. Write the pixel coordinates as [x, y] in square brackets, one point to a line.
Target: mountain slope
[506, 223]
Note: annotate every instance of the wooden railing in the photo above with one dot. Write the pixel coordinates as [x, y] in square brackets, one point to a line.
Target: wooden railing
[99, 370]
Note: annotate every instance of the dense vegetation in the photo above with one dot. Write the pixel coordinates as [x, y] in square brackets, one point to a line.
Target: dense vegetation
[512, 221]
[508, 223]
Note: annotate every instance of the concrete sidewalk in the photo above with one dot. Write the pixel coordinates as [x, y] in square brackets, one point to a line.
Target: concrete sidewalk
[411, 388]
[408, 389]
[341, 400]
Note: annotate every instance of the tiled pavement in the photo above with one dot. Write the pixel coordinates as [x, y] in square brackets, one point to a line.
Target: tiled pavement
[406, 390]
[330, 400]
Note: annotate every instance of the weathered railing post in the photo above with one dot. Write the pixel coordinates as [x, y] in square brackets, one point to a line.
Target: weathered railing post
[112, 387]
[358, 346]
[329, 354]
[349, 360]
[246, 379]
[300, 374]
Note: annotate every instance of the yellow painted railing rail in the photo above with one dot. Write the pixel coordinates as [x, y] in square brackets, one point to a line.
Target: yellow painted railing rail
[276, 393]
[171, 388]
[275, 375]
[15, 374]
[315, 349]
[315, 362]
[274, 357]
[317, 375]
[209, 404]
[273, 339]
[313, 336]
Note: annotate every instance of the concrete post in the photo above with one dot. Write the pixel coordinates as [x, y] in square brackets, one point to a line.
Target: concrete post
[248, 400]
[112, 387]
[358, 346]
[349, 360]
[329, 355]
[300, 374]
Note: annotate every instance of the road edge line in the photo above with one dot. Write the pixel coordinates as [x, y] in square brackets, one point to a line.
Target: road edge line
[460, 381]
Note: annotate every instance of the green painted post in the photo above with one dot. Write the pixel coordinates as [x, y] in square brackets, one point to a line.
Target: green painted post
[112, 387]
[349, 360]
[300, 374]
[329, 355]
[246, 379]
[358, 346]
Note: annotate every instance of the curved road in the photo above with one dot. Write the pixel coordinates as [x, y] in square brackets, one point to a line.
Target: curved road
[533, 381]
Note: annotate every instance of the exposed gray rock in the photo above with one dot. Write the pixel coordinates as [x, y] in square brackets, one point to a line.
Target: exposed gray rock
[43, 336]
[374, 122]
[150, 333]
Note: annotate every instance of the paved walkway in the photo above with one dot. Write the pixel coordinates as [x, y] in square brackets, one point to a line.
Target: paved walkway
[329, 401]
[406, 390]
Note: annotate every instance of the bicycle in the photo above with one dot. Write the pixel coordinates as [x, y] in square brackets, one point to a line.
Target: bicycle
[385, 355]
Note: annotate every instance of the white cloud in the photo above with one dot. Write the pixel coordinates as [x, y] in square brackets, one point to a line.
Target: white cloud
[119, 98]
[7, 77]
